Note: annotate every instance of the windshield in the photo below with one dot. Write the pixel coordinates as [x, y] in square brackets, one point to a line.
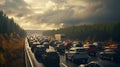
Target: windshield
[80, 50]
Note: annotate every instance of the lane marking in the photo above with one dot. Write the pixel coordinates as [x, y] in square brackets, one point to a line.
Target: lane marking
[64, 65]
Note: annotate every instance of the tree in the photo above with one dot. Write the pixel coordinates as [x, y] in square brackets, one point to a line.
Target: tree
[96, 32]
[8, 26]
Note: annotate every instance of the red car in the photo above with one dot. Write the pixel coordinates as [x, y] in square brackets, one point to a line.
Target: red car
[92, 50]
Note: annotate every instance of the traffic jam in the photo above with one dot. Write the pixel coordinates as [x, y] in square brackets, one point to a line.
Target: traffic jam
[58, 52]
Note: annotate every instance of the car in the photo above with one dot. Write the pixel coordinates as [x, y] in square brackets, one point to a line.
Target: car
[92, 50]
[39, 51]
[100, 63]
[61, 49]
[77, 54]
[68, 45]
[52, 43]
[52, 59]
[77, 44]
[33, 46]
[46, 44]
[100, 47]
[110, 54]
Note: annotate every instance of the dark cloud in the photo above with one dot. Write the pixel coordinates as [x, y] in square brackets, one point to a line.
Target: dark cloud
[97, 11]
[106, 11]
[57, 17]
[17, 8]
[94, 11]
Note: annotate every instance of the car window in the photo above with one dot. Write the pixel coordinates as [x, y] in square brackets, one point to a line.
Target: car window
[80, 50]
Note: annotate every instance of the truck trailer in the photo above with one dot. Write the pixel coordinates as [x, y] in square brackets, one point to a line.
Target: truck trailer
[60, 37]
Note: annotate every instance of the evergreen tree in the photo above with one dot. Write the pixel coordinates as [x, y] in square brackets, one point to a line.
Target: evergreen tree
[96, 32]
[8, 26]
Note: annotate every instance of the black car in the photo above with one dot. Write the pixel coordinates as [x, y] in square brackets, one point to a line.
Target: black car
[61, 49]
[39, 51]
[110, 54]
[100, 64]
[33, 46]
[92, 50]
[51, 59]
[46, 44]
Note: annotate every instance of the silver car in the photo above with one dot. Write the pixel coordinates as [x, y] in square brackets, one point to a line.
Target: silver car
[77, 54]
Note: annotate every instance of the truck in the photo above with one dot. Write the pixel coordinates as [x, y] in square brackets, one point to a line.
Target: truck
[60, 37]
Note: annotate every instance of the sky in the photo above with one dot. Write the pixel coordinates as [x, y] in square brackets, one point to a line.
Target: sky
[54, 14]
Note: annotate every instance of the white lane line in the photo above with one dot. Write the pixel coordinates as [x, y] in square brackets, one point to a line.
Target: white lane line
[64, 65]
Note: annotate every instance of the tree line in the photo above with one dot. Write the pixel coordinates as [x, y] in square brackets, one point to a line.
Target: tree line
[11, 42]
[92, 32]
[8, 26]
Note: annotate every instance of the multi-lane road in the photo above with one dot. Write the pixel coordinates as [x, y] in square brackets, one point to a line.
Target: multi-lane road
[33, 62]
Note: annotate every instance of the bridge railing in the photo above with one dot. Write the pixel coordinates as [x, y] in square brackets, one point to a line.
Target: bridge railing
[28, 61]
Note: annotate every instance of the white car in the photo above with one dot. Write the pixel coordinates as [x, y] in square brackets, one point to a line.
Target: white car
[77, 54]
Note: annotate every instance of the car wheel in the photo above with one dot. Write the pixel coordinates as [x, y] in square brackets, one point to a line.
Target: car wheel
[66, 57]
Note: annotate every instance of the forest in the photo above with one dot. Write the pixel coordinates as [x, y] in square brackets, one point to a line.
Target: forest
[12, 38]
[91, 32]
[8, 26]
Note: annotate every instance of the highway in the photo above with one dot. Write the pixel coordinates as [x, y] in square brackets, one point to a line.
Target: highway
[33, 62]
[36, 63]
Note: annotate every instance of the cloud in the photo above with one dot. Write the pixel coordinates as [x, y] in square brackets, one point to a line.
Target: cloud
[17, 8]
[104, 11]
[49, 14]
[92, 12]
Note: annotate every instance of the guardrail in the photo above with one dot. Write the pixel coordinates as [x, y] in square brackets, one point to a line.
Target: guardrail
[28, 61]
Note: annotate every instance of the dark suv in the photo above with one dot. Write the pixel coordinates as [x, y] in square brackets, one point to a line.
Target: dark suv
[39, 50]
[51, 59]
[110, 54]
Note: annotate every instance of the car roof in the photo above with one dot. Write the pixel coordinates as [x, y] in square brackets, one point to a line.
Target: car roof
[50, 50]
[40, 46]
[45, 42]
[36, 42]
[74, 48]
